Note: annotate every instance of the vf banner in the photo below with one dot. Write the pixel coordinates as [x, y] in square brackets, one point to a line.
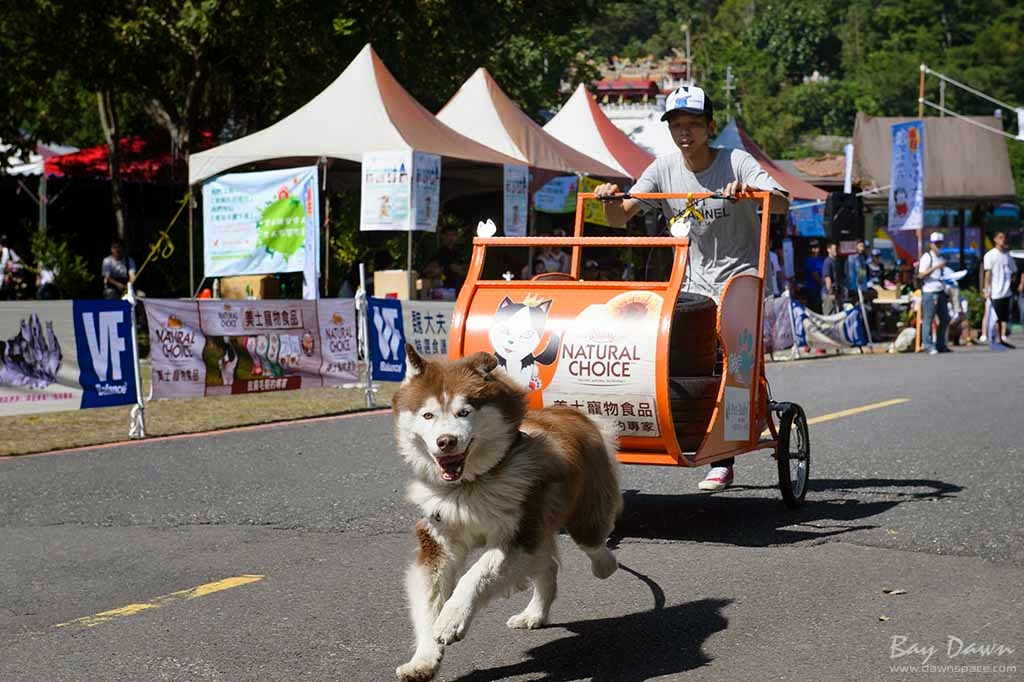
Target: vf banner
[65, 355]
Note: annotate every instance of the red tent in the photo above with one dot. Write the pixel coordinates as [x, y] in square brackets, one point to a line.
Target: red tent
[144, 158]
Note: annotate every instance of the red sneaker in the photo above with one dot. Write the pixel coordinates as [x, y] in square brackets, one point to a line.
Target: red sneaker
[719, 478]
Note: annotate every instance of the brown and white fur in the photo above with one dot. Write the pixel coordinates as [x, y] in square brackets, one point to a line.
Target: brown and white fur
[491, 475]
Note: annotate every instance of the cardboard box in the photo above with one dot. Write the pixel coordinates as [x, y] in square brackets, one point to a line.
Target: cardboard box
[391, 282]
[262, 286]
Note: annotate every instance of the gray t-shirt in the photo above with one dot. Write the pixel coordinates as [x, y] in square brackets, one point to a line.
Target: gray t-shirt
[726, 242]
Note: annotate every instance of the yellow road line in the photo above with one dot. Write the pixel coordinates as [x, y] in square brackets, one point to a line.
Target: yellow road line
[856, 410]
[850, 412]
[132, 609]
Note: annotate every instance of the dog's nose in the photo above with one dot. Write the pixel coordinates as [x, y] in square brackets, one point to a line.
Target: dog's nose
[447, 443]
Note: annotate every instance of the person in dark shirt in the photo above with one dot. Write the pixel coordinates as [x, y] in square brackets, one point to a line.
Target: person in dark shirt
[812, 285]
[830, 281]
[449, 262]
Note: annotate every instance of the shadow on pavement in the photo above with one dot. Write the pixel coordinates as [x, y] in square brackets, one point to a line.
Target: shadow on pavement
[630, 648]
[832, 507]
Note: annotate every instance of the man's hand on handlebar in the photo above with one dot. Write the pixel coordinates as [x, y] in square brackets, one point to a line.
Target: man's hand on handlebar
[607, 191]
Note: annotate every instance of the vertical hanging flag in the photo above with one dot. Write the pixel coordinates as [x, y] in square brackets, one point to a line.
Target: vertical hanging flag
[517, 200]
[426, 190]
[906, 191]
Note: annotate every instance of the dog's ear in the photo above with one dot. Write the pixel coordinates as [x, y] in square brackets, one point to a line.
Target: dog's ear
[482, 362]
[414, 364]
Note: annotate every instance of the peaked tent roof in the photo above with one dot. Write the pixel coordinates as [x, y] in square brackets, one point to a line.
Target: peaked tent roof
[649, 132]
[734, 137]
[365, 109]
[482, 111]
[582, 125]
[962, 161]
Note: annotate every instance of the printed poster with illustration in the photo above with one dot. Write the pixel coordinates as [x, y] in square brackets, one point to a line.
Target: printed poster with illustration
[222, 347]
[261, 223]
[594, 352]
[400, 191]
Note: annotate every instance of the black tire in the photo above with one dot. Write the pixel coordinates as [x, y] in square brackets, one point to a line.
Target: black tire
[693, 341]
[793, 455]
[693, 401]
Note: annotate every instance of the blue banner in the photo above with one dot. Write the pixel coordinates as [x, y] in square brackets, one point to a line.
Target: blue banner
[387, 339]
[906, 189]
[105, 349]
[807, 220]
[842, 330]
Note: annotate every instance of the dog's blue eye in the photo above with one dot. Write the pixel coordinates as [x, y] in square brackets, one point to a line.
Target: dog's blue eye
[428, 415]
[462, 413]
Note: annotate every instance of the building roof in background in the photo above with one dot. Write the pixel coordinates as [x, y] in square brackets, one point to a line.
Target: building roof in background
[482, 111]
[364, 110]
[582, 125]
[826, 171]
[962, 161]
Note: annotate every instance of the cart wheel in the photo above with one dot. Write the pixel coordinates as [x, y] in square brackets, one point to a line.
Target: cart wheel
[793, 454]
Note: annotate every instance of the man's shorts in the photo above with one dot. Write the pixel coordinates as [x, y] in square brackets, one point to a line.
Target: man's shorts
[1001, 307]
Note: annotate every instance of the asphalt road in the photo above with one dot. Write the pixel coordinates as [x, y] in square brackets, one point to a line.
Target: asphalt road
[923, 496]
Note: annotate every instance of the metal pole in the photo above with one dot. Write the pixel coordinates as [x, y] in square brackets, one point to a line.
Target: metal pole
[920, 93]
[412, 277]
[942, 98]
[137, 425]
[43, 202]
[364, 332]
[191, 253]
[864, 312]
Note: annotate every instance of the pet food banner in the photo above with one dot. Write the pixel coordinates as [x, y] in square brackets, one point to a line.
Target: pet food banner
[65, 355]
[426, 325]
[517, 200]
[842, 330]
[593, 351]
[387, 339]
[261, 223]
[223, 347]
[400, 191]
[906, 191]
[605, 365]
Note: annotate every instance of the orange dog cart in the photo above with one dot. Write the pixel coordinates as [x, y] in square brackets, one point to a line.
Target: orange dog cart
[604, 348]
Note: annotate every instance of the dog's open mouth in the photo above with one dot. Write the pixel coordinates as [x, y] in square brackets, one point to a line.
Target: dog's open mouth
[451, 466]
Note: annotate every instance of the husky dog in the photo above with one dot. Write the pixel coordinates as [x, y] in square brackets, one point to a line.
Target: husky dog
[491, 475]
[515, 332]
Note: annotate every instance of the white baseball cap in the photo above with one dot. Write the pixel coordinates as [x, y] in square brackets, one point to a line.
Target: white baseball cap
[936, 237]
[690, 99]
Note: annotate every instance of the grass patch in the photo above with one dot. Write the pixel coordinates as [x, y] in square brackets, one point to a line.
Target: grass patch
[58, 430]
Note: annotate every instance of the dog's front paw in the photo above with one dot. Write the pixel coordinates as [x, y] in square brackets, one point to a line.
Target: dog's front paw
[527, 620]
[451, 625]
[417, 670]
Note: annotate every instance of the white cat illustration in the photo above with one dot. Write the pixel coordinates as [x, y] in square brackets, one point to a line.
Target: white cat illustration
[515, 335]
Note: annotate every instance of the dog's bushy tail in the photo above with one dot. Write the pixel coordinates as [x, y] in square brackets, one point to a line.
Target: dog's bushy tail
[600, 500]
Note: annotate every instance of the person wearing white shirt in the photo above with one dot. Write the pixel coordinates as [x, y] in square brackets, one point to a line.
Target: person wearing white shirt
[934, 300]
[999, 270]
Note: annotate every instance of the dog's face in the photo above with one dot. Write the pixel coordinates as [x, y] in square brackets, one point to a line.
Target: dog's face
[455, 420]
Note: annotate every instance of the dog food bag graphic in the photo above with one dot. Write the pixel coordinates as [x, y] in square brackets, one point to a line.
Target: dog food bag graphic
[606, 363]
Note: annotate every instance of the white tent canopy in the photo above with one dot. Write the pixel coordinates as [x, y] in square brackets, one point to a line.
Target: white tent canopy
[481, 111]
[364, 110]
[582, 125]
